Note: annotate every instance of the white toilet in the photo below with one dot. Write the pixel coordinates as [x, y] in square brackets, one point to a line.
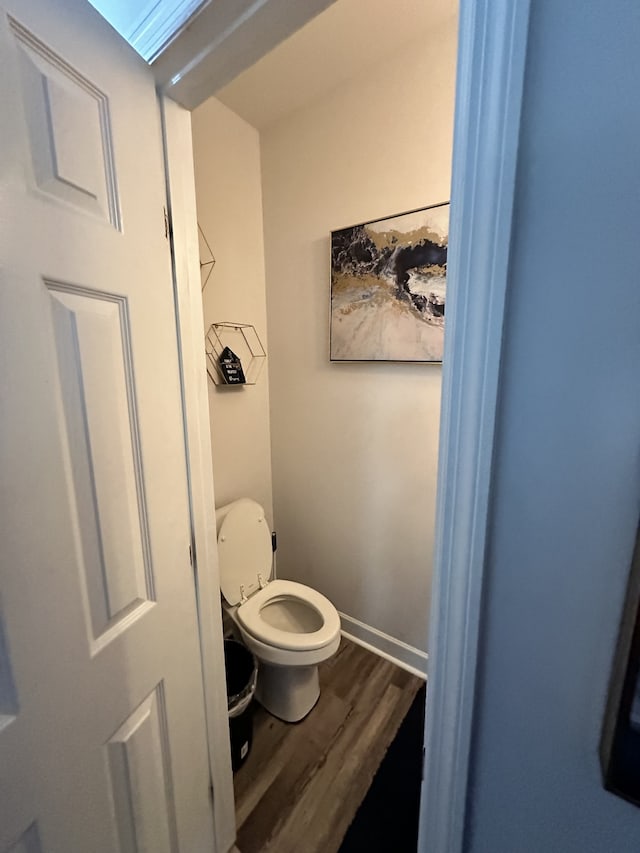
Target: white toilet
[288, 626]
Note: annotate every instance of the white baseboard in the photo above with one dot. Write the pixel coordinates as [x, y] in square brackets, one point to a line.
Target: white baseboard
[396, 651]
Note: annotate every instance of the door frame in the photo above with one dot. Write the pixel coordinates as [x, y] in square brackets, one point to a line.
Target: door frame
[492, 48]
[181, 201]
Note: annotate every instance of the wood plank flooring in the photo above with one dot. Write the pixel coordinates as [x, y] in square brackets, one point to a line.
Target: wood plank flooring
[302, 783]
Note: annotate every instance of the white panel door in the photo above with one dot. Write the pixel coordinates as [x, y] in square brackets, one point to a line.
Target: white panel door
[102, 730]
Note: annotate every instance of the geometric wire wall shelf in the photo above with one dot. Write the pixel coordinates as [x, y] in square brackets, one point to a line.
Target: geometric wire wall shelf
[243, 340]
[207, 258]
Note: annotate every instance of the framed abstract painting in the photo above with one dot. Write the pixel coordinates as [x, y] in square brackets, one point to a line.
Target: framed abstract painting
[388, 288]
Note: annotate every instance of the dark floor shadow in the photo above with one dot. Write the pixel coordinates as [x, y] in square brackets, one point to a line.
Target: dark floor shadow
[387, 819]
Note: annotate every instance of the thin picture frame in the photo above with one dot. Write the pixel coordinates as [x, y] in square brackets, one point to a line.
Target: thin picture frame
[388, 288]
[620, 739]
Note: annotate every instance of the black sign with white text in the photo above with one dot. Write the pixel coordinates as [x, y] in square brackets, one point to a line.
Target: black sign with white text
[231, 367]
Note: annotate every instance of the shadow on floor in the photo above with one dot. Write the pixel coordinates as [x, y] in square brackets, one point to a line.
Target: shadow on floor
[388, 817]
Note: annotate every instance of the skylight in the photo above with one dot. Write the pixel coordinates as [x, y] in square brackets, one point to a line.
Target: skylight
[148, 25]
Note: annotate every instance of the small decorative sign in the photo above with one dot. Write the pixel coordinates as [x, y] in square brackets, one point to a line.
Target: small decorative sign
[231, 367]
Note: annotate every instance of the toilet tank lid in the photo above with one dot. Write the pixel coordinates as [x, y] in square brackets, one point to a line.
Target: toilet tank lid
[244, 548]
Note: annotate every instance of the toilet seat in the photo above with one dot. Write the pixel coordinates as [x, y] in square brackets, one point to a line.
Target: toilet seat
[244, 549]
[250, 617]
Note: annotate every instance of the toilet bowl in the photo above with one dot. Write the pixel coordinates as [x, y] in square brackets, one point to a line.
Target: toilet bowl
[288, 626]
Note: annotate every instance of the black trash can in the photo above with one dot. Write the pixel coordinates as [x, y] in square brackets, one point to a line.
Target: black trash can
[242, 672]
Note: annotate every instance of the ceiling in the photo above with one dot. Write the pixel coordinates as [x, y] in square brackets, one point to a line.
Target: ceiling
[341, 42]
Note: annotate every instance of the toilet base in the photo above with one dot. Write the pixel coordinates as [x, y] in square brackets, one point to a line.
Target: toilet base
[288, 692]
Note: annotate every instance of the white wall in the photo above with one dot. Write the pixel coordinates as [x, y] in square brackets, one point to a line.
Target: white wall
[229, 199]
[567, 469]
[354, 446]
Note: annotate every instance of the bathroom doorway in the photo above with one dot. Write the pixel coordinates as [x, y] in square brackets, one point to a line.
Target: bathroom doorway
[327, 131]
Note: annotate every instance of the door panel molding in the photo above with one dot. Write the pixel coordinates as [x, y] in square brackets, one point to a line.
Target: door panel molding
[57, 95]
[106, 480]
[140, 768]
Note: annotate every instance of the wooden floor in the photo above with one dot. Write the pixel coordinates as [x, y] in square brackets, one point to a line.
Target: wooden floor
[303, 782]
